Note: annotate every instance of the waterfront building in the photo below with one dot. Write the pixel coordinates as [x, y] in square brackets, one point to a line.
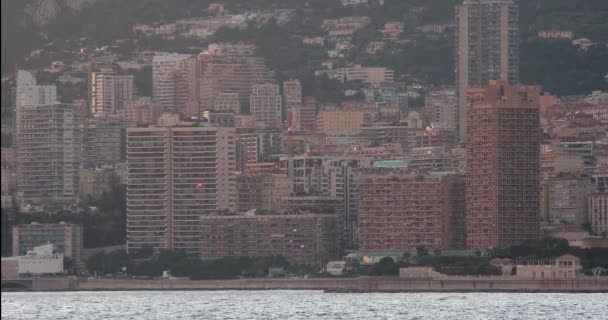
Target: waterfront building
[303, 239]
[41, 260]
[176, 175]
[563, 267]
[66, 238]
[503, 164]
[487, 48]
[401, 210]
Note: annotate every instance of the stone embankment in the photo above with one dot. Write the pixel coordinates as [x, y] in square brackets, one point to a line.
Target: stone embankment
[361, 284]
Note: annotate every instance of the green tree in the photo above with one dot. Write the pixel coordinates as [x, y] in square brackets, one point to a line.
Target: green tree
[8, 220]
[69, 265]
[143, 81]
[542, 62]
[385, 267]
[7, 140]
[96, 263]
[421, 251]
[144, 252]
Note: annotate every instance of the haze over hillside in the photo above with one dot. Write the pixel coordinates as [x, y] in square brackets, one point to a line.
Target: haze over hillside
[32, 24]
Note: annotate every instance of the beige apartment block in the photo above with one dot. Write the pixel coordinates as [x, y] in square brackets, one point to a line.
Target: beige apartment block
[341, 122]
[177, 175]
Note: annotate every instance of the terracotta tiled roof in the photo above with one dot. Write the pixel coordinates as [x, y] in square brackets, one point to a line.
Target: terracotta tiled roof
[567, 256]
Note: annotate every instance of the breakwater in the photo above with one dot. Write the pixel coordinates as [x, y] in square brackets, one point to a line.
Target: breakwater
[361, 284]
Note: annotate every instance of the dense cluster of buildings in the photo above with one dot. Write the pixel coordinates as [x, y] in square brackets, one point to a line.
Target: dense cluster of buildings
[224, 161]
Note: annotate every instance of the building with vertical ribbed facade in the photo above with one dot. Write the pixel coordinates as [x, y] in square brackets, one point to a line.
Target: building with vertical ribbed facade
[503, 163]
[487, 47]
[176, 175]
[48, 154]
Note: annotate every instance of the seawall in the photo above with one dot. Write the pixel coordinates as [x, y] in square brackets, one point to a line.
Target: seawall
[361, 284]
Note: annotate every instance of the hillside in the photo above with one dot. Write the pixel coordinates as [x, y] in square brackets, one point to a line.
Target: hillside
[551, 64]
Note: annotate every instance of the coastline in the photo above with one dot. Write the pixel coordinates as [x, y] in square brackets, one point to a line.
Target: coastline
[339, 285]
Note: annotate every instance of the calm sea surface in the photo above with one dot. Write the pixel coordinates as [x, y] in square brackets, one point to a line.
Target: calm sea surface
[309, 305]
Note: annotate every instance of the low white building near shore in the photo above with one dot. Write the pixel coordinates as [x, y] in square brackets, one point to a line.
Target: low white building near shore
[564, 267]
[39, 261]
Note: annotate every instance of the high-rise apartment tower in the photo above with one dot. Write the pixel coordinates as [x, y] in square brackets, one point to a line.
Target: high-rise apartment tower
[502, 192]
[177, 174]
[487, 47]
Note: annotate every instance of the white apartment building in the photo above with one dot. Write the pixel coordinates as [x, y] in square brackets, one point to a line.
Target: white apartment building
[48, 154]
[39, 261]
